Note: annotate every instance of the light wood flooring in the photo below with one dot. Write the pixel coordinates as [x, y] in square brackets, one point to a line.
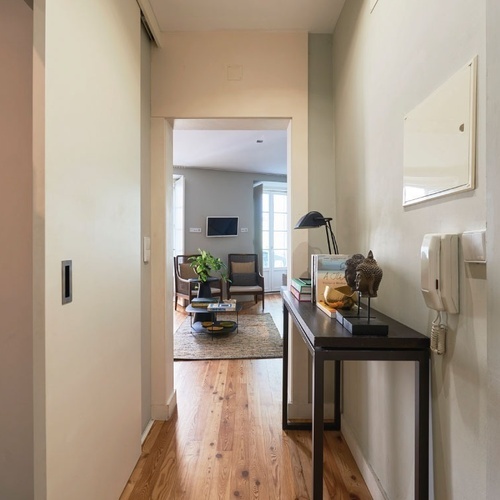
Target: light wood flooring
[225, 440]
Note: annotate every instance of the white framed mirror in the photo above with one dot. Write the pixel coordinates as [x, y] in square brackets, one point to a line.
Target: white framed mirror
[440, 140]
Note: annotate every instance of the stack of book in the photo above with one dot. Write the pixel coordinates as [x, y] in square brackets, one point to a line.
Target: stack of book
[203, 302]
[326, 308]
[327, 270]
[301, 289]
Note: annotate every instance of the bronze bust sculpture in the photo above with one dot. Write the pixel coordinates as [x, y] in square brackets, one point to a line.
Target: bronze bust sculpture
[350, 269]
[368, 276]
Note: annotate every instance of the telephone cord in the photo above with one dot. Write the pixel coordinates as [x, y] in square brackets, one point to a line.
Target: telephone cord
[438, 335]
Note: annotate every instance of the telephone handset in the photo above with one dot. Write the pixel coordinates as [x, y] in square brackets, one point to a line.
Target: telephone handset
[439, 272]
[439, 277]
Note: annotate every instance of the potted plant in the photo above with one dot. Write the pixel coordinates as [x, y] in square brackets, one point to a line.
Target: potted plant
[203, 264]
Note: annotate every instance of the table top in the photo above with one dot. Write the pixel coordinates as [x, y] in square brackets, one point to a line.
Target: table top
[321, 331]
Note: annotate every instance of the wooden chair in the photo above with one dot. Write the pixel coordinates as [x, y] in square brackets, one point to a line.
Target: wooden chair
[183, 287]
[244, 276]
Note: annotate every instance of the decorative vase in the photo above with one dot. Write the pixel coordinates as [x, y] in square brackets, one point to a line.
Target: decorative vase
[340, 298]
[204, 289]
[205, 292]
[331, 295]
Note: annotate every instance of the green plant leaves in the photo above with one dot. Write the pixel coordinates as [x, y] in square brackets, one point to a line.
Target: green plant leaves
[205, 262]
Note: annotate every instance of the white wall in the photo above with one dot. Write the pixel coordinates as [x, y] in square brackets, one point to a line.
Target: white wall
[385, 63]
[16, 331]
[145, 226]
[87, 208]
[493, 242]
[163, 397]
[321, 138]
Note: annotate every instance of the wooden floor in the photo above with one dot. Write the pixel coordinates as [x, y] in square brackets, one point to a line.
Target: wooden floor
[225, 440]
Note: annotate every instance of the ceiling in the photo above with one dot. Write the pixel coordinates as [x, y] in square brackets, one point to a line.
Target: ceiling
[239, 145]
[313, 16]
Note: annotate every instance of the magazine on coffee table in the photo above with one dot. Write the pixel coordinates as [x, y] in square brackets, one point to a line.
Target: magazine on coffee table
[225, 305]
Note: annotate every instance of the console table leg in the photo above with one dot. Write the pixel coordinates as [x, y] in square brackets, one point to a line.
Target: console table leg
[317, 425]
[284, 382]
[338, 392]
[422, 427]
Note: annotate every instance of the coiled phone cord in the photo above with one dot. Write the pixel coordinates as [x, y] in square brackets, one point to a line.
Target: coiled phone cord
[438, 335]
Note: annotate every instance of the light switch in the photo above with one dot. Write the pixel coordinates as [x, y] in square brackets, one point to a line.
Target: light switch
[146, 249]
[474, 246]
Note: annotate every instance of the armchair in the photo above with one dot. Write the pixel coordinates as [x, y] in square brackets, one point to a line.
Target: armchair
[183, 287]
[244, 276]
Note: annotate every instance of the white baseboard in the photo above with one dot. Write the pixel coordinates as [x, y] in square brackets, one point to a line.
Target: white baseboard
[146, 431]
[164, 411]
[371, 479]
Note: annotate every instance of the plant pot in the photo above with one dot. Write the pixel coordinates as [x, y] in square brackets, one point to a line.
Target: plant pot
[205, 292]
[204, 289]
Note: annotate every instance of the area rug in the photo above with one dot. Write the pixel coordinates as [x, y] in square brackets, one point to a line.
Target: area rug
[257, 337]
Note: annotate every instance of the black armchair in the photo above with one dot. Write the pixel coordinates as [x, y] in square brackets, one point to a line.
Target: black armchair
[184, 286]
[244, 276]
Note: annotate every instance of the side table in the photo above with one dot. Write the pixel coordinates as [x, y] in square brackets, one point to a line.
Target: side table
[326, 339]
[198, 315]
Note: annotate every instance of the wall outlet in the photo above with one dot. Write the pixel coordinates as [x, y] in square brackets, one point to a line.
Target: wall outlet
[244, 229]
[195, 229]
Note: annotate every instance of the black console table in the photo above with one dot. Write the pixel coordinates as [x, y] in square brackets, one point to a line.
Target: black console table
[326, 340]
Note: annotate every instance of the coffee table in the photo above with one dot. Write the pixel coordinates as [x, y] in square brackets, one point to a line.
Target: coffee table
[211, 317]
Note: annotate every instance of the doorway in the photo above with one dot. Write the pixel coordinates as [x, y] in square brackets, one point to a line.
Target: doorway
[163, 393]
[250, 146]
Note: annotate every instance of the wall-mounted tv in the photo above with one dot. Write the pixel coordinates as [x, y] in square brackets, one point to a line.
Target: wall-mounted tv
[218, 226]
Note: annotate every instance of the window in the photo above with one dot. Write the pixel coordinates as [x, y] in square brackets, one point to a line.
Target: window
[274, 235]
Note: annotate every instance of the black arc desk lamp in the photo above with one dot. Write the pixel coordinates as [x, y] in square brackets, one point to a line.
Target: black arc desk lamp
[315, 219]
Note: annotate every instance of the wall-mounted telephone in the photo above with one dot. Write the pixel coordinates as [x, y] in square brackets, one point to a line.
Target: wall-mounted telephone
[439, 272]
[439, 281]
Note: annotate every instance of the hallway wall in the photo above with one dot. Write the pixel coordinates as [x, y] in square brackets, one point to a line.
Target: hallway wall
[385, 63]
[16, 329]
[493, 242]
[145, 227]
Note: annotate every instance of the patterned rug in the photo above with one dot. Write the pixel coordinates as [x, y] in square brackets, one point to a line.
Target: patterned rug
[257, 337]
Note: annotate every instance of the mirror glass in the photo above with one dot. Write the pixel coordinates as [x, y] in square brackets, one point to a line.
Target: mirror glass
[439, 140]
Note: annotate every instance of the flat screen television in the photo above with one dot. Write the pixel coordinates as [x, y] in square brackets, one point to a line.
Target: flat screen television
[219, 226]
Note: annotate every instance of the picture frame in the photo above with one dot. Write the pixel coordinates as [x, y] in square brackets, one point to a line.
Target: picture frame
[440, 140]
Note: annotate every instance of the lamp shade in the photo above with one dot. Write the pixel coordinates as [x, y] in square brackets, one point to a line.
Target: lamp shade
[315, 219]
[311, 219]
